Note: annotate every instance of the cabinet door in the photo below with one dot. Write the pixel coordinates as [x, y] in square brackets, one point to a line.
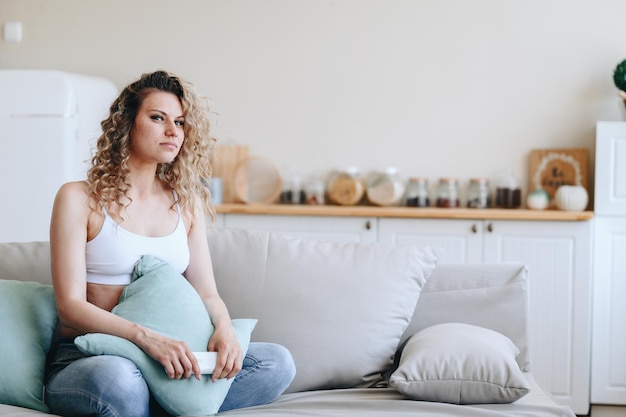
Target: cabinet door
[610, 183]
[608, 384]
[219, 221]
[334, 229]
[558, 256]
[461, 240]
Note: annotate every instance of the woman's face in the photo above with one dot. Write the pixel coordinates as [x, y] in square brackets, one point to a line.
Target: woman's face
[157, 134]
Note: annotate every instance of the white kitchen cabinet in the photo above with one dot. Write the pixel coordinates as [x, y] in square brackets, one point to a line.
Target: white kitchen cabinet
[461, 240]
[219, 221]
[609, 322]
[608, 375]
[557, 253]
[336, 229]
[558, 256]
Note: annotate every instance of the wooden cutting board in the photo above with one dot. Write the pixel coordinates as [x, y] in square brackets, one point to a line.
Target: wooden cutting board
[227, 159]
[551, 168]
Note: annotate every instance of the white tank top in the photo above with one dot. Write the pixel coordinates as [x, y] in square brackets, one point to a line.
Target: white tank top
[111, 256]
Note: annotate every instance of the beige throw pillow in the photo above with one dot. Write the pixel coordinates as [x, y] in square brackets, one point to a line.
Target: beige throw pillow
[460, 364]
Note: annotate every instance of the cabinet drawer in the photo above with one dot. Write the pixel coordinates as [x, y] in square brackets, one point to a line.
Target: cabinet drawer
[334, 229]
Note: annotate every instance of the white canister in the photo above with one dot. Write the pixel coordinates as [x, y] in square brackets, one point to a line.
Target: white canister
[571, 198]
[538, 199]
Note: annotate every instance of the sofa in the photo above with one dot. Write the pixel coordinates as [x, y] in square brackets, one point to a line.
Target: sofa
[374, 329]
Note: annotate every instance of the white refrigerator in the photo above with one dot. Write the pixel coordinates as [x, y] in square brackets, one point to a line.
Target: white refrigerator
[608, 386]
[50, 121]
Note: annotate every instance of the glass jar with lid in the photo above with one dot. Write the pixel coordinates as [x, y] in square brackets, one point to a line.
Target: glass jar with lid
[478, 195]
[314, 189]
[291, 188]
[385, 188]
[345, 188]
[417, 193]
[448, 193]
[508, 192]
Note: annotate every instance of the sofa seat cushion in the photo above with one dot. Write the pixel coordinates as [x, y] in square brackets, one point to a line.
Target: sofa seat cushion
[386, 402]
[340, 308]
[28, 319]
[460, 364]
[162, 299]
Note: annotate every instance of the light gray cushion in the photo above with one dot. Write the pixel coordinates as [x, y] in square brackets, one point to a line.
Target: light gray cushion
[493, 296]
[28, 319]
[460, 364]
[340, 308]
[160, 298]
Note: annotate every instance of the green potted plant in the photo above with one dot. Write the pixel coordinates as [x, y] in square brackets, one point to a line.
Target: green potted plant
[619, 78]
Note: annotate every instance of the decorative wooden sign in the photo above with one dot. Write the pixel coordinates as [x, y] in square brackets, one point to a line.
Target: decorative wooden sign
[551, 168]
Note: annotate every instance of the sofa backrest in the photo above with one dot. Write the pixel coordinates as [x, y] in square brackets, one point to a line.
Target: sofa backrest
[25, 261]
[488, 295]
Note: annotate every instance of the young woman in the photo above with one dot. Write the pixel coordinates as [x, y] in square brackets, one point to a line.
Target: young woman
[143, 195]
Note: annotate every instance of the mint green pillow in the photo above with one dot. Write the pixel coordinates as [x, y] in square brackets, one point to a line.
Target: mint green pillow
[28, 319]
[162, 299]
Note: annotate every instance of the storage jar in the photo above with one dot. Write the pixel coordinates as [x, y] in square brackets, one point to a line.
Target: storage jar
[508, 192]
[448, 193]
[345, 188]
[478, 194]
[385, 188]
[417, 193]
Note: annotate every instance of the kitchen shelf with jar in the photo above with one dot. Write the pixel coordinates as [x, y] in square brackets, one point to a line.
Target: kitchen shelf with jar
[404, 212]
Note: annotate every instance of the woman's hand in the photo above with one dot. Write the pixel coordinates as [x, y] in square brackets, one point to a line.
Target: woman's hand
[175, 356]
[229, 355]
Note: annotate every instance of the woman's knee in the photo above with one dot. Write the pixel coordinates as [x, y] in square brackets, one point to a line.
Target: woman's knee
[268, 369]
[275, 360]
[101, 386]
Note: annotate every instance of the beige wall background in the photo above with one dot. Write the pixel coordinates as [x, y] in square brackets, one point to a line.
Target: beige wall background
[463, 88]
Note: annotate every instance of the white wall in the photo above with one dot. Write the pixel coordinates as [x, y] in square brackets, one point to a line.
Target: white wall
[434, 87]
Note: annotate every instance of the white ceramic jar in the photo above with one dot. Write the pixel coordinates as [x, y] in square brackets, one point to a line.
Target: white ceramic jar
[538, 199]
[571, 198]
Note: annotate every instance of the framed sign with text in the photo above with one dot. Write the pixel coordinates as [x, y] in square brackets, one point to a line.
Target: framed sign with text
[551, 168]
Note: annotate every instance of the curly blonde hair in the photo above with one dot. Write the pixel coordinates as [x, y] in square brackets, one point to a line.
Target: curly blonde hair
[186, 175]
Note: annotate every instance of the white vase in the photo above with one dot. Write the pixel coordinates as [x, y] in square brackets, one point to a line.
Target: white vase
[571, 198]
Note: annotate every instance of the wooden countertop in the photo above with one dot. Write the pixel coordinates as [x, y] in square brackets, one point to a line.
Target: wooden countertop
[404, 212]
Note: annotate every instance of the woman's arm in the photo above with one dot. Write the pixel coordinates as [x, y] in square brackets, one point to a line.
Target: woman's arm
[200, 274]
[68, 236]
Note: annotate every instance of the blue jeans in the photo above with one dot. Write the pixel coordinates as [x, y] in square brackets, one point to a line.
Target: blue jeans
[112, 386]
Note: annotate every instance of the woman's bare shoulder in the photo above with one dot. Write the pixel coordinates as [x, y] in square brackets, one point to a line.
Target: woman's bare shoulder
[75, 187]
[74, 194]
[194, 212]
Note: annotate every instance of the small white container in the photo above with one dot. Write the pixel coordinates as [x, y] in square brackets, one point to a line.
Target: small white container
[538, 199]
[571, 198]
